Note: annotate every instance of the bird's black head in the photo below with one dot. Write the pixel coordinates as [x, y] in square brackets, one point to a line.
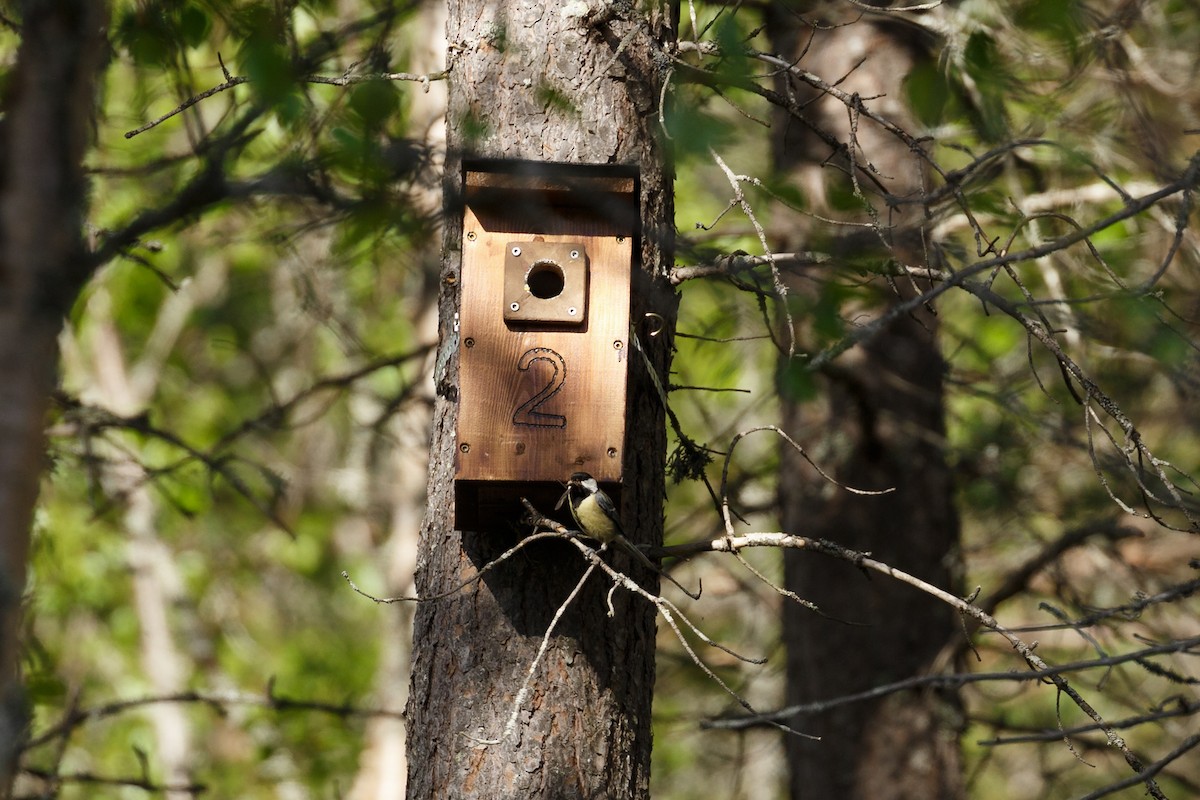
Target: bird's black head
[576, 488]
[580, 486]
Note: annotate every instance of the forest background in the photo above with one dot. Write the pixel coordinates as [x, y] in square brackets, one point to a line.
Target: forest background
[247, 381]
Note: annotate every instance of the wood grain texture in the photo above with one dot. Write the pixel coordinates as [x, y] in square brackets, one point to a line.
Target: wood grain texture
[578, 374]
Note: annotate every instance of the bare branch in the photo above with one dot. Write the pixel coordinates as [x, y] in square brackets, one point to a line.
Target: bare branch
[960, 679]
[1187, 745]
[731, 544]
[781, 293]
[76, 716]
[734, 263]
[229, 83]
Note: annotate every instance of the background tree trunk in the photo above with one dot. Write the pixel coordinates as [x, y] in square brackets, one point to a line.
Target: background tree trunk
[531, 81]
[44, 131]
[878, 423]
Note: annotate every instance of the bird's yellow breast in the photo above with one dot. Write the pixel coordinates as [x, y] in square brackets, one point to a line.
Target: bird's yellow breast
[593, 521]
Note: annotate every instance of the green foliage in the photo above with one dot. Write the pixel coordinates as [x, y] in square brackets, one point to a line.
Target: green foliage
[147, 36]
[928, 94]
[264, 485]
[796, 382]
[375, 102]
[729, 33]
[264, 59]
[994, 85]
[1062, 21]
[694, 129]
[216, 323]
[154, 31]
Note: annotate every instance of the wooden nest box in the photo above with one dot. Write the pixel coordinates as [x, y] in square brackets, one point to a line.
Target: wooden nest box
[547, 263]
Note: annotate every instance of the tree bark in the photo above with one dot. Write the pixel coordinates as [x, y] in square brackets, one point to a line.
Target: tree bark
[885, 408]
[46, 127]
[546, 83]
[878, 424]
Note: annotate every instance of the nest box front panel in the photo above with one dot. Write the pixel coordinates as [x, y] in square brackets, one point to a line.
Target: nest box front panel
[544, 350]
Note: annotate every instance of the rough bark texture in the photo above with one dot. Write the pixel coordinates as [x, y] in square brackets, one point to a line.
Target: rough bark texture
[878, 424]
[45, 129]
[529, 80]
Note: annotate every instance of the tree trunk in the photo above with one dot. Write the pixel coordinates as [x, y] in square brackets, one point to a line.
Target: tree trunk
[885, 407]
[879, 423]
[532, 81]
[45, 129]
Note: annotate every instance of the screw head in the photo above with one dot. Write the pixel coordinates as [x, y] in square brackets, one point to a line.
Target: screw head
[464, 448]
[469, 341]
[574, 254]
[612, 452]
[572, 311]
[516, 251]
[618, 344]
[514, 306]
[471, 236]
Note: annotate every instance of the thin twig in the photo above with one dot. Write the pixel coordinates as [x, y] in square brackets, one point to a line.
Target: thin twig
[343, 80]
[863, 561]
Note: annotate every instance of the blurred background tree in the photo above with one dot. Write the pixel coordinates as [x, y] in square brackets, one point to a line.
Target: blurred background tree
[245, 325]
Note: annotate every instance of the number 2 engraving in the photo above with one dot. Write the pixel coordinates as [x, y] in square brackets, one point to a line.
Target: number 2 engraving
[527, 413]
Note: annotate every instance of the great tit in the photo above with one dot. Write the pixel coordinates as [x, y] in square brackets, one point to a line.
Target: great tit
[596, 515]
